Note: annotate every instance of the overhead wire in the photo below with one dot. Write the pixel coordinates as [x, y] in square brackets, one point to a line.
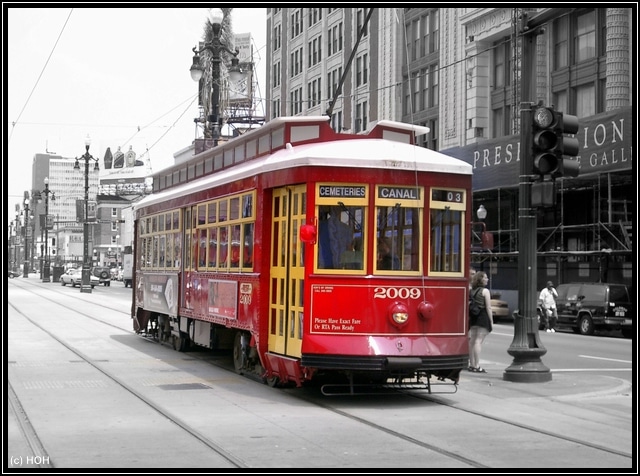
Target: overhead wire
[26, 103]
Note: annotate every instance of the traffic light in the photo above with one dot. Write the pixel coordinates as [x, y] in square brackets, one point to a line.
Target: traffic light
[550, 144]
[569, 146]
[545, 140]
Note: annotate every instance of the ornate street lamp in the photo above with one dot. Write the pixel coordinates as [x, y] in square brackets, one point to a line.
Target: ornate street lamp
[481, 212]
[16, 240]
[46, 271]
[86, 264]
[26, 266]
[214, 48]
[13, 234]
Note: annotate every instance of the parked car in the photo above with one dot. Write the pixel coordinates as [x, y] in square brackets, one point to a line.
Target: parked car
[103, 274]
[73, 277]
[586, 307]
[14, 274]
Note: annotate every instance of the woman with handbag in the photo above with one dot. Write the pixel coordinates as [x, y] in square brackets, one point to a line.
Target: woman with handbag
[482, 324]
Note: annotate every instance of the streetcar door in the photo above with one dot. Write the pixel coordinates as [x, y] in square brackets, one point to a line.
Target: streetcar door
[287, 271]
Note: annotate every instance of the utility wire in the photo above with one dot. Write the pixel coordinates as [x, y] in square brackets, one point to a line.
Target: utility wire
[13, 124]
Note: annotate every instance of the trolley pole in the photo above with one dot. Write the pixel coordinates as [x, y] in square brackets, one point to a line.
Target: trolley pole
[526, 347]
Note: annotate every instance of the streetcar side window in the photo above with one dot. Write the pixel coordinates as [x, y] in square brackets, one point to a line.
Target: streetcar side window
[225, 233]
[446, 220]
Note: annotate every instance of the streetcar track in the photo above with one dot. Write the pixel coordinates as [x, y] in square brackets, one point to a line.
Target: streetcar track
[32, 436]
[433, 398]
[27, 429]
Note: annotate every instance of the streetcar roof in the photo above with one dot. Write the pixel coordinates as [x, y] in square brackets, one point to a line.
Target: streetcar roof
[357, 153]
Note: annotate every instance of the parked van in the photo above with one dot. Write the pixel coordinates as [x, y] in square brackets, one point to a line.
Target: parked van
[127, 270]
[586, 307]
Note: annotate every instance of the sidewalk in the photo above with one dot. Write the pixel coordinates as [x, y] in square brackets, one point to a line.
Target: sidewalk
[580, 406]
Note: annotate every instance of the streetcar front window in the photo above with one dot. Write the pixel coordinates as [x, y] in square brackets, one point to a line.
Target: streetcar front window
[340, 234]
[398, 239]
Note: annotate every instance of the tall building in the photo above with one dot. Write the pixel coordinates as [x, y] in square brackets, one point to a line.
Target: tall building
[459, 71]
[345, 62]
[120, 180]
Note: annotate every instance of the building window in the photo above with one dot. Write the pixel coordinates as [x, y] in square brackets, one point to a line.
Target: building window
[315, 51]
[434, 98]
[578, 40]
[296, 101]
[315, 15]
[360, 16]
[415, 49]
[361, 117]
[296, 23]
[501, 93]
[277, 37]
[275, 108]
[424, 82]
[314, 93]
[435, 31]
[276, 74]
[585, 39]
[424, 32]
[585, 100]
[334, 39]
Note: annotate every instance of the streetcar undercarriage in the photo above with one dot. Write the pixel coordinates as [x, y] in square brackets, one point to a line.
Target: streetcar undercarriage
[337, 375]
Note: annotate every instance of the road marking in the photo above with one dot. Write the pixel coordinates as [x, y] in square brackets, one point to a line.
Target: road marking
[592, 370]
[604, 358]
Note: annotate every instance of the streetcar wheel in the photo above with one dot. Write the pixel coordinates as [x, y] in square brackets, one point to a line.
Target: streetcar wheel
[586, 325]
[238, 357]
[273, 381]
[180, 343]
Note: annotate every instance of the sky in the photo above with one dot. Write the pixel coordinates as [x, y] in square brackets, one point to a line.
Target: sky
[119, 75]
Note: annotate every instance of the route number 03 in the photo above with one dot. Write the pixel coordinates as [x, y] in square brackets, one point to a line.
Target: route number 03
[397, 293]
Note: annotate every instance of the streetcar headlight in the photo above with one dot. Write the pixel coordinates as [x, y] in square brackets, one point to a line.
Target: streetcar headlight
[398, 314]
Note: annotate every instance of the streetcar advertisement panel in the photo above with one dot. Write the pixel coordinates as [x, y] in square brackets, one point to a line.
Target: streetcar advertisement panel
[161, 293]
[222, 298]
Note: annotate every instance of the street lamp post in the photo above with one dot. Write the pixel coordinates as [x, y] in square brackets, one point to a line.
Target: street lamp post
[215, 47]
[86, 264]
[26, 266]
[12, 245]
[481, 213]
[46, 271]
[16, 239]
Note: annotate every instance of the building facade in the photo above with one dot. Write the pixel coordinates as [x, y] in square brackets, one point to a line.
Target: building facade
[113, 187]
[459, 71]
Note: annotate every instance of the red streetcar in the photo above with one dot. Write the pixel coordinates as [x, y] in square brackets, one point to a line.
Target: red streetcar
[311, 253]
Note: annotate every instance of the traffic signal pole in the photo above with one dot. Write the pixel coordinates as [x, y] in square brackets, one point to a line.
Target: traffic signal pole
[526, 347]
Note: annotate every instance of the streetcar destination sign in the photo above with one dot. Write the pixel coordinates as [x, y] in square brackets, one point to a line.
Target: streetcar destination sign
[409, 193]
[329, 191]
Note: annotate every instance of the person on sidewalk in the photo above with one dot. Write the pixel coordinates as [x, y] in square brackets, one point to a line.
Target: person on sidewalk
[547, 300]
[479, 326]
